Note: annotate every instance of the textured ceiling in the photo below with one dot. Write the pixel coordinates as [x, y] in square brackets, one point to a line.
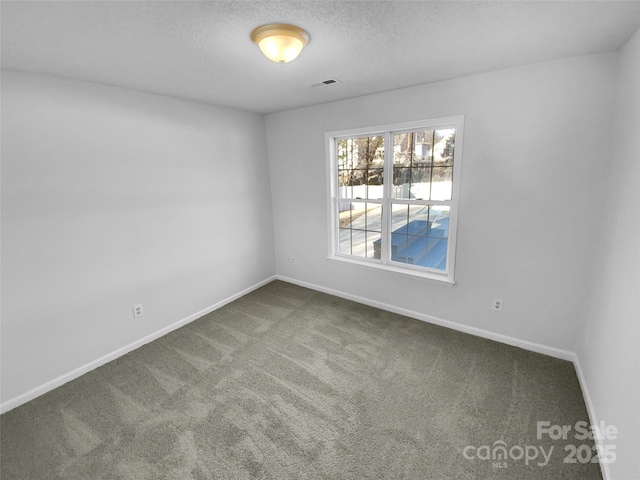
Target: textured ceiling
[202, 51]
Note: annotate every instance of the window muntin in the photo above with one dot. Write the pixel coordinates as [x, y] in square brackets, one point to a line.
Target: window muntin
[409, 223]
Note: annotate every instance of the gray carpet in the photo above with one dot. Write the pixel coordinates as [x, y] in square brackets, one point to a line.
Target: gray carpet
[288, 383]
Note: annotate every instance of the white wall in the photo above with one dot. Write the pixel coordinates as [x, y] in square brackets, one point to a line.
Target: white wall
[609, 356]
[537, 140]
[111, 198]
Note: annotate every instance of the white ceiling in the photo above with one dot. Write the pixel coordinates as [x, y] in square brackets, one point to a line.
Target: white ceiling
[202, 50]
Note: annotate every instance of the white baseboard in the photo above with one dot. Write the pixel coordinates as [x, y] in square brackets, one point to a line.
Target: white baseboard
[67, 377]
[498, 337]
[593, 418]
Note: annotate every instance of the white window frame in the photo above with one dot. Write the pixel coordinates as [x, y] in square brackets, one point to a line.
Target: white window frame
[385, 263]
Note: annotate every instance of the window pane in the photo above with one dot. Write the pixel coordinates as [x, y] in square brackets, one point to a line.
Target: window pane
[344, 184]
[441, 184]
[444, 141]
[439, 221]
[416, 249]
[411, 183]
[409, 234]
[418, 220]
[414, 153]
[358, 217]
[422, 148]
[346, 158]
[436, 254]
[342, 153]
[399, 216]
[401, 182]
[413, 149]
[344, 214]
[402, 150]
[419, 235]
[358, 183]
[420, 183]
[373, 244]
[399, 247]
[402, 160]
[345, 241]
[374, 217]
[361, 166]
[358, 243]
[375, 187]
[437, 243]
[359, 229]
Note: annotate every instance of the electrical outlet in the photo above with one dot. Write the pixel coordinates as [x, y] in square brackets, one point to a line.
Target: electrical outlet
[497, 304]
[137, 311]
[293, 259]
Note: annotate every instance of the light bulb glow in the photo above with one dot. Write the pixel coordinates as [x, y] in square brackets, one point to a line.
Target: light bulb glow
[280, 49]
[280, 43]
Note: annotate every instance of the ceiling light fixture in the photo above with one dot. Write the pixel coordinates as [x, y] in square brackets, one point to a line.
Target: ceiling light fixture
[279, 42]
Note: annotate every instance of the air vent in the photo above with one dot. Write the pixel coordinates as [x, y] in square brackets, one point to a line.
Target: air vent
[324, 83]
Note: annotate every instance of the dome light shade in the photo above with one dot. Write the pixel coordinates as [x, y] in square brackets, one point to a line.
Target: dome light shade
[279, 42]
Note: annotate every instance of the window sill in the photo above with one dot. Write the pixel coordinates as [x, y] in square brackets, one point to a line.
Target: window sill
[404, 272]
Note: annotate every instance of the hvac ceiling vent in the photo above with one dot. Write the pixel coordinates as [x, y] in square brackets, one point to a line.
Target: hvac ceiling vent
[324, 83]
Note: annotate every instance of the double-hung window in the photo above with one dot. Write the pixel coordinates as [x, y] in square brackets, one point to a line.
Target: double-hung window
[393, 197]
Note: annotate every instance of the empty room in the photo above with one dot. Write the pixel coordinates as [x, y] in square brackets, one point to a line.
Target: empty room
[320, 240]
